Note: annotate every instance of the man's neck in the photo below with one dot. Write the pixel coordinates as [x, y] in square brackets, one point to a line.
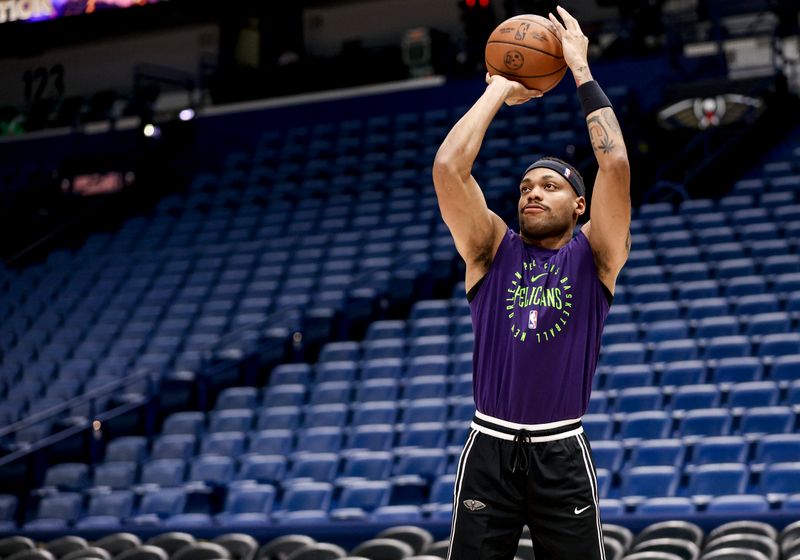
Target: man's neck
[552, 242]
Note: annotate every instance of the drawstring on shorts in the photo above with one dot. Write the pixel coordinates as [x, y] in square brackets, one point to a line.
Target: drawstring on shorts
[522, 450]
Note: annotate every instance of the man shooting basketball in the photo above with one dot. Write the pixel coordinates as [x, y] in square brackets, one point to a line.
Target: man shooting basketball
[539, 300]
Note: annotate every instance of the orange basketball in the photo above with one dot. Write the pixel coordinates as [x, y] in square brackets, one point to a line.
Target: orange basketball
[527, 49]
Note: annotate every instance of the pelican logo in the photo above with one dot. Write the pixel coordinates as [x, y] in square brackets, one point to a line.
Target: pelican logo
[514, 60]
[474, 505]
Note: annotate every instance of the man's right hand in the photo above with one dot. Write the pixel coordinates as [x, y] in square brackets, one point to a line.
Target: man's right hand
[515, 92]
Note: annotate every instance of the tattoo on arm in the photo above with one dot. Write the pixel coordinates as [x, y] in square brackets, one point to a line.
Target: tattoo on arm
[612, 121]
[598, 132]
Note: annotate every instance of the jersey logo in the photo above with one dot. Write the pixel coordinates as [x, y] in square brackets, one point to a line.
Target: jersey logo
[474, 505]
[580, 511]
[533, 318]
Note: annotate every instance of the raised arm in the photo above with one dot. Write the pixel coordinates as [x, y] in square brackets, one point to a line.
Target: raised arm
[608, 230]
[476, 230]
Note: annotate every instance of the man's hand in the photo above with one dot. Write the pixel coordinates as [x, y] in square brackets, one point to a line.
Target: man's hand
[574, 44]
[515, 93]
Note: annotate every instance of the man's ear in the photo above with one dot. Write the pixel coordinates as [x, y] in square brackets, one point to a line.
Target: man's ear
[580, 206]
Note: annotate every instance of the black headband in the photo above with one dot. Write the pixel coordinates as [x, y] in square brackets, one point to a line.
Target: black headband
[565, 170]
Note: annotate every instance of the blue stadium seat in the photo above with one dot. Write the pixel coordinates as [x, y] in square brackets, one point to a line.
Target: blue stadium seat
[370, 465]
[225, 444]
[598, 402]
[289, 374]
[336, 371]
[429, 308]
[306, 496]
[675, 350]
[237, 398]
[645, 275]
[284, 395]
[429, 346]
[386, 329]
[650, 424]
[658, 311]
[157, 505]
[429, 365]
[619, 313]
[624, 376]
[768, 323]
[247, 504]
[325, 415]
[330, 392]
[623, 354]
[780, 478]
[426, 387]
[783, 344]
[718, 479]
[707, 307]
[608, 455]
[384, 348]
[67, 477]
[781, 264]
[236, 420]
[377, 390]
[174, 446]
[739, 504]
[263, 469]
[722, 449]
[649, 293]
[666, 507]
[278, 418]
[706, 422]
[737, 370]
[690, 272]
[650, 482]
[320, 467]
[430, 326]
[598, 426]
[213, 470]
[683, 373]
[727, 347]
[659, 331]
[425, 463]
[426, 410]
[786, 368]
[57, 511]
[127, 449]
[710, 327]
[381, 368]
[272, 442]
[423, 434]
[745, 286]
[698, 289]
[371, 437]
[163, 472]
[778, 448]
[374, 412]
[681, 255]
[689, 397]
[107, 510]
[658, 452]
[752, 394]
[114, 475]
[320, 440]
[638, 399]
[620, 333]
[757, 303]
[442, 489]
[340, 351]
[767, 420]
[361, 497]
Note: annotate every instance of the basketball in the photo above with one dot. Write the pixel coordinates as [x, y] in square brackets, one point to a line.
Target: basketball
[526, 49]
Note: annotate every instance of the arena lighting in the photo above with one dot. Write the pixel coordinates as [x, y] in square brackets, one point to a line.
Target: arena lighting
[470, 3]
[186, 115]
[151, 131]
[483, 3]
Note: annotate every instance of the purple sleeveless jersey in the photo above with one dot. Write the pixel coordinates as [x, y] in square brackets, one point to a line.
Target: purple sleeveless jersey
[538, 316]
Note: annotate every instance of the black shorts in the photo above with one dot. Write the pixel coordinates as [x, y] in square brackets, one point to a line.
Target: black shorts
[511, 475]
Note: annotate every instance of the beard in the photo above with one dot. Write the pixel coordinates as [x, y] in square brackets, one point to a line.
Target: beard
[544, 226]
